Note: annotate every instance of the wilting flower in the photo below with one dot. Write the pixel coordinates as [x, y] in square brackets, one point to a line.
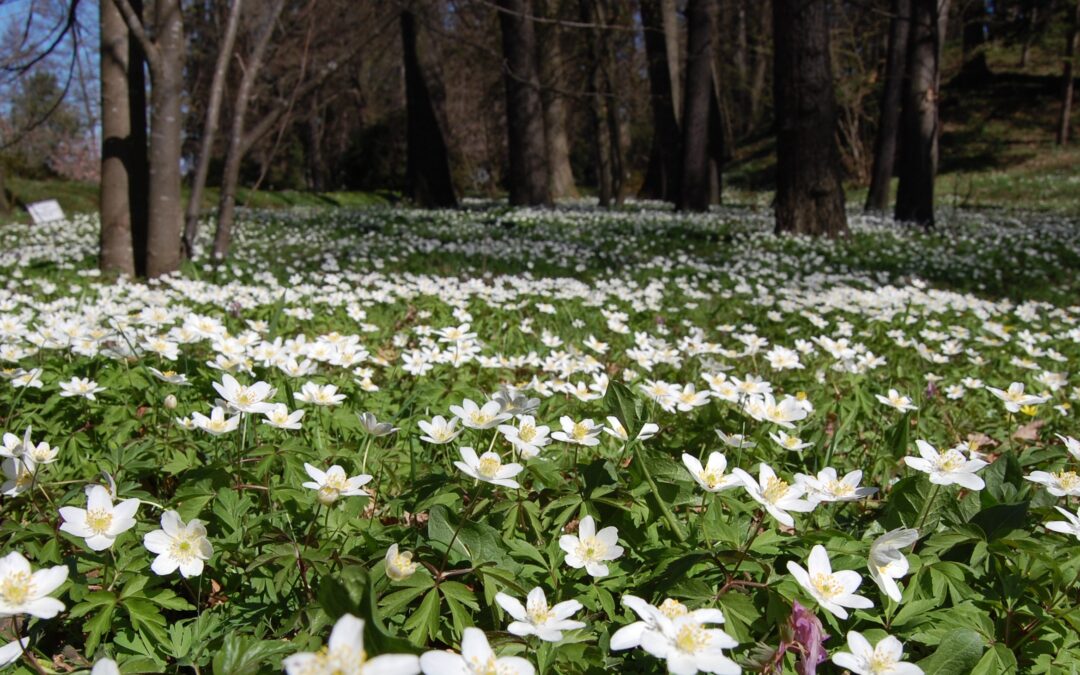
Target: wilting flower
[335, 483]
[374, 427]
[100, 523]
[947, 467]
[399, 565]
[887, 562]
[488, 467]
[895, 400]
[884, 658]
[537, 618]
[178, 546]
[808, 637]
[591, 549]
[711, 477]
[834, 591]
[23, 591]
[344, 654]
[476, 658]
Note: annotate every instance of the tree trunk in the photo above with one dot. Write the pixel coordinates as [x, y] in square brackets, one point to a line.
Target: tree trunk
[117, 252]
[213, 113]
[428, 161]
[166, 123]
[528, 180]
[718, 130]
[5, 205]
[669, 21]
[237, 146]
[809, 191]
[665, 160]
[599, 100]
[919, 121]
[1072, 48]
[761, 65]
[552, 79]
[699, 90]
[891, 101]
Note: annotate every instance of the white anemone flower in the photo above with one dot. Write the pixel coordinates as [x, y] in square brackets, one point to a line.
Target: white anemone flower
[887, 562]
[24, 591]
[217, 424]
[616, 429]
[344, 654]
[334, 483]
[776, 495]
[242, 398]
[827, 487]
[1058, 483]
[482, 417]
[585, 432]
[279, 417]
[884, 658]
[678, 635]
[591, 549]
[315, 394]
[178, 546]
[1071, 525]
[712, 477]
[100, 523]
[439, 430]
[80, 386]
[476, 658]
[538, 618]
[13, 651]
[834, 591]
[399, 565]
[488, 467]
[947, 467]
[897, 401]
[1014, 397]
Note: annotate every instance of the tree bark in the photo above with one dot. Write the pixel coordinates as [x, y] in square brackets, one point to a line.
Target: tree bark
[236, 148]
[428, 160]
[919, 121]
[528, 180]
[662, 179]
[552, 79]
[809, 191]
[213, 114]
[699, 91]
[117, 252]
[877, 199]
[1072, 48]
[599, 100]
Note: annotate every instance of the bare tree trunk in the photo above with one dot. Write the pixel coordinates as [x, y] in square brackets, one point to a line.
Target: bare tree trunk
[809, 191]
[919, 125]
[662, 180]
[891, 101]
[213, 113]
[591, 13]
[718, 130]
[1072, 48]
[761, 64]
[236, 149]
[669, 21]
[699, 91]
[117, 252]
[428, 160]
[552, 79]
[166, 124]
[524, 110]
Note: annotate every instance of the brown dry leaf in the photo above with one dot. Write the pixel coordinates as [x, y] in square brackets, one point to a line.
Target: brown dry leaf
[1030, 431]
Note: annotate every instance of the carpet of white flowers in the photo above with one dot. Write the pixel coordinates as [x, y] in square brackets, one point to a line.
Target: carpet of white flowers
[571, 441]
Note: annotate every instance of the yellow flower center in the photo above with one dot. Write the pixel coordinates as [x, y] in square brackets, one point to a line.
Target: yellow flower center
[98, 521]
[774, 489]
[1068, 480]
[580, 431]
[951, 460]
[827, 585]
[489, 465]
[839, 488]
[527, 432]
[691, 638]
[712, 478]
[480, 418]
[881, 663]
[486, 667]
[672, 608]
[182, 549]
[539, 613]
[589, 549]
[16, 588]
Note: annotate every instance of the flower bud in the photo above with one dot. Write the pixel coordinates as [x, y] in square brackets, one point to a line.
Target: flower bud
[170, 402]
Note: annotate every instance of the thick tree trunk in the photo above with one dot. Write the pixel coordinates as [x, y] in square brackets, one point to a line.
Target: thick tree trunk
[761, 64]
[718, 130]
[552, 79]
[669, 20]
[599, 100]
[699, 90]
[138, 160]
[117, 252]
[237, 146]
[213, 113]
[662, 179]
[891, 102]
[809, 191]
[166, 123]
[528, 180]
[919, 121]
[428, 161]
[1072, 48]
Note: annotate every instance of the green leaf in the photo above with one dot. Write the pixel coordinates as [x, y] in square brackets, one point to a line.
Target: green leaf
[621, 403]
[957, 654]
[246, 655]
[997, 521]
[425, 620]
[997, 660]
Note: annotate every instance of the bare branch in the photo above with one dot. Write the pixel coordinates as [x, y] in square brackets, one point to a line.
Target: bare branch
[135, 25]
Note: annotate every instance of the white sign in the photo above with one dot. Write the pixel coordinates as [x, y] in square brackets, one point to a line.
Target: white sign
[45, 212]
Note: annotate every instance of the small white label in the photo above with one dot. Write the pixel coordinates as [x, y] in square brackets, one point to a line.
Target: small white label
[45, 212]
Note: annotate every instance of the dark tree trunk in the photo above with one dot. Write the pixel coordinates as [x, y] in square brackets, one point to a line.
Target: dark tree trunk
[809, 191]
[313, 145]
[213, 114]
[919, 121]
[552, 79]
[891, 101]
[237, 147]
[665, 160]
[761, 64]
[166, 124]
[117, 252]
[699, 90]
[974, 18]
[528, 180]
[428, 161]
[1072, 48]
[599, 100]
[718, 131]
[138, 159]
